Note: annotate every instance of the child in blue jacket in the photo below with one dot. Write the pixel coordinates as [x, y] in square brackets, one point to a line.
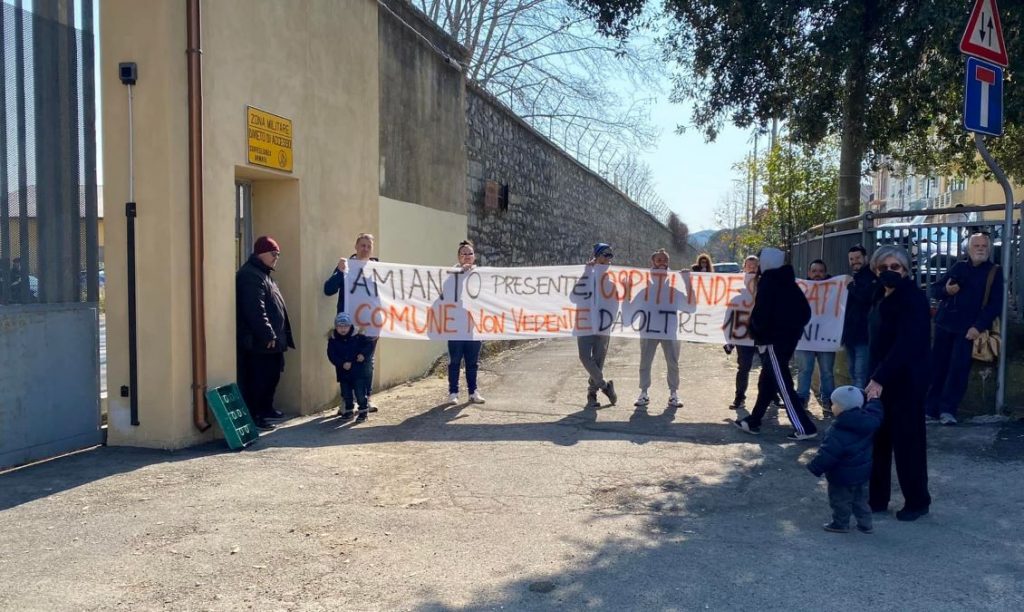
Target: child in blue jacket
[845, 458]
[350, 352]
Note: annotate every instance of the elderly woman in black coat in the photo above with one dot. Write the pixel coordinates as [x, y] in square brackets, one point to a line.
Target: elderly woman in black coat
[899, 334]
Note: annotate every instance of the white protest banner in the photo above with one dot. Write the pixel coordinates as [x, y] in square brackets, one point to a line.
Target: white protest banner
[449, 303]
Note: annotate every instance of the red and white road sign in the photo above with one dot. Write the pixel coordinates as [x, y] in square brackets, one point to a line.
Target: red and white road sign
[984, 34]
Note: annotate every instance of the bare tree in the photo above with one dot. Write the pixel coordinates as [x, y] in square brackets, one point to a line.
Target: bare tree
[590, 94]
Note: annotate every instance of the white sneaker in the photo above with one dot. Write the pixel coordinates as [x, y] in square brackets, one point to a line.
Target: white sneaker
[674, 401]
[453, 398]
[643, 400]
[476, 398]
[947, 419]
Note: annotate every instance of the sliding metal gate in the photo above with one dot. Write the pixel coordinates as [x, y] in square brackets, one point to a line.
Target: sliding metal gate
[50, 276]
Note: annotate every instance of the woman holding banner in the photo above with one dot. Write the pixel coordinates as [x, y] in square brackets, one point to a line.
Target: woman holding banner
[899, 330]
[703, 264]
[467, 351]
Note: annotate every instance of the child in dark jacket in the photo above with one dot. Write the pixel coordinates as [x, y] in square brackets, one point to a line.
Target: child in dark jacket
[350, 352]
[845, 458]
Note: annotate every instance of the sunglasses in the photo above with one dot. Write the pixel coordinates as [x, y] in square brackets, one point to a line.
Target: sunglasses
[606, 254]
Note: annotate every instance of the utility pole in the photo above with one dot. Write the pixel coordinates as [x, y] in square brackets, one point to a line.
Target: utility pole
[753, 191]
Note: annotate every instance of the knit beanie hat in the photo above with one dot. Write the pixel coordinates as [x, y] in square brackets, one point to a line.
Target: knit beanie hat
[771, 259]
[601, 247]
[847, 397]
[343, 318]
[265, 244]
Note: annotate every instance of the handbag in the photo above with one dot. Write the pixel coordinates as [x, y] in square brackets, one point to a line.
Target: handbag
[987, 345]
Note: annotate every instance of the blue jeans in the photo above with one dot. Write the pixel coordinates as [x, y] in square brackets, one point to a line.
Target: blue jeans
[826, 370]
[459, 350]
[857, 356]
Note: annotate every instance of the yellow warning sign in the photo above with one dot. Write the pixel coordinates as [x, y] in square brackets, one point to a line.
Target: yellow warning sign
[270, 139]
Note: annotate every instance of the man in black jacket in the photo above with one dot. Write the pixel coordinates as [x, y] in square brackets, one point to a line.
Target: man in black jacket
[777, 321]
[963, 314]
[264, 332]
[859, 294]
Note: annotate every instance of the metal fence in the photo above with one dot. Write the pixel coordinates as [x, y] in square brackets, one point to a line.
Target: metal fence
[49, 209]
[935, 239]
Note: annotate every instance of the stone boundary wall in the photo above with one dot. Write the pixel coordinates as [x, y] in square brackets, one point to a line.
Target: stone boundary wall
[556, 207]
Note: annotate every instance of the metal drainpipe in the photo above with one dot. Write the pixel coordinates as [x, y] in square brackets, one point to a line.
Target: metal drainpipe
[195, 213]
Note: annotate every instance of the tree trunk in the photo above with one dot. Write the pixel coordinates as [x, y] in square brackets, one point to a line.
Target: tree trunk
[853, 145]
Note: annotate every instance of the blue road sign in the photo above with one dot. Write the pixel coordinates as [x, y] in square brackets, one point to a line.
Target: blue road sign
[983, 98]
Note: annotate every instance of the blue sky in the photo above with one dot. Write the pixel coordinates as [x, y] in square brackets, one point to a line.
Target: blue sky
[693, 176]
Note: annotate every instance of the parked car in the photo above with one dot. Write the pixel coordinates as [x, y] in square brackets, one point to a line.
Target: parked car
[728, 267]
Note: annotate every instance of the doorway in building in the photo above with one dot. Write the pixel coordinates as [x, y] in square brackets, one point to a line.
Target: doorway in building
[243, 222]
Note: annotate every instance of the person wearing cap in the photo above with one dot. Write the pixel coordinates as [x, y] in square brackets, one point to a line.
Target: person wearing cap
[263, 331]
[350, 352]
[594, 348]
[777, 321]
[845, 457]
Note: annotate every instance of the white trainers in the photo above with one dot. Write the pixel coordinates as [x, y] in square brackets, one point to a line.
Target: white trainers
[674, 401]
[476, 398]
[642, 400]
[453, 398]
[947, 419]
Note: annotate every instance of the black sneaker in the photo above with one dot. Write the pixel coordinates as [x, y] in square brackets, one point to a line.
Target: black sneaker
[826, 411]
[361, 417]
[371, 407]
[345, 414]
[275, 415]
[910, 515]
[740, 405]
[263, 424]
[609, 390]
[746, 427]
[592, 399]
[835, 527]
[865, 529]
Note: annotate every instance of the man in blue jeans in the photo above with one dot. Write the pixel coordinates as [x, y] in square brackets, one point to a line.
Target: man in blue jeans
[817, 271]
[859, 294]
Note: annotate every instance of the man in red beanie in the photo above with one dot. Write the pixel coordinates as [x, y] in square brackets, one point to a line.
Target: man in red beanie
[264, 333]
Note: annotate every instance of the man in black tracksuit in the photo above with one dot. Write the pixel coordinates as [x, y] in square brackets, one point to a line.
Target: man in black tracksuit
[777, 321]
[263, 331]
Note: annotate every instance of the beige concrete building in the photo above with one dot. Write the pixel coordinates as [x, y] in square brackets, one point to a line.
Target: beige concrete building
[316, 63]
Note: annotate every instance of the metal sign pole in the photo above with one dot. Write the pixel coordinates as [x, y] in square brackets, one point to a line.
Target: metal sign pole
[979, 142]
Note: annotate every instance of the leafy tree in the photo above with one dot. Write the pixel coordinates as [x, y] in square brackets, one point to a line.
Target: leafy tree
[885, 77]
[801, 188]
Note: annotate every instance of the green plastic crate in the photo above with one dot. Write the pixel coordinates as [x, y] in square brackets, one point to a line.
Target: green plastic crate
[233, 416]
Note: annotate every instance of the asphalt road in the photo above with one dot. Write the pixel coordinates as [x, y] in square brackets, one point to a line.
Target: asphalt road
[528, 502]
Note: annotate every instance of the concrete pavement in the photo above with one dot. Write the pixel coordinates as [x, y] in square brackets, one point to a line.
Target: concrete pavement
[528, 502]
